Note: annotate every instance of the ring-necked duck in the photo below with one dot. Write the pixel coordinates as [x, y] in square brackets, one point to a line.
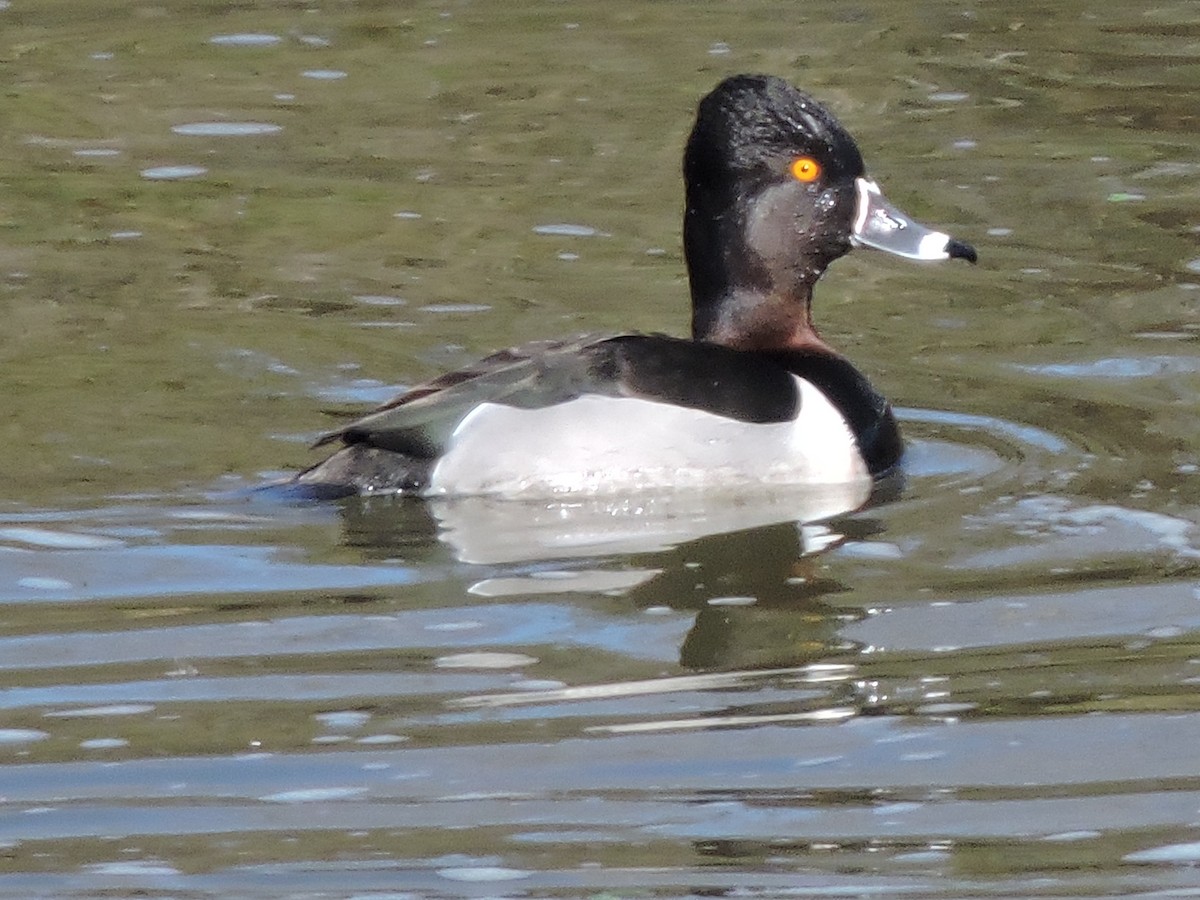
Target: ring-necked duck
[776, 191]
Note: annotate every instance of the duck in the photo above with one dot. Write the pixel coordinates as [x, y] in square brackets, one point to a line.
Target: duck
[775, 191]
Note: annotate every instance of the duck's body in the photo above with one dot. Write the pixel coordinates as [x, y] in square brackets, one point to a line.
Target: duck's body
[775, 192]
[625, 412]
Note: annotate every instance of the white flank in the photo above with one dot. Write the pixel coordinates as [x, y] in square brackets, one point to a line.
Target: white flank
[602, 445]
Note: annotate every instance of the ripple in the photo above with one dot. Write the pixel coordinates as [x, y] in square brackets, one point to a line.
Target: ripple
[104, 744]
[1117, 367]
[1069, 836]
[467, 625]
[59, 540]
[484, 660]
[483, 873]
[564, 229]
[926, 458]
[343, 719]
[732, 601]
[378, 300]
[1014, 431]
[881, 550]
[923, 756]
[381, 739]
[96, 712]
[171, 173]
[133, 867]
[1168, 853]
[314, 795]
[226, 129]
[323, 74]
[455, 308]
[580, 580]
[245, 40]
[41, 583]
[360, 390]
[1056, 516]
[21, 735]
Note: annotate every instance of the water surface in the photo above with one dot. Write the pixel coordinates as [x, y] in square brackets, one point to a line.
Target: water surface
[224, 226]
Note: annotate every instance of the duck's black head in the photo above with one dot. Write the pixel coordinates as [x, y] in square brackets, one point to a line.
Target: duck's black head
[776, 191]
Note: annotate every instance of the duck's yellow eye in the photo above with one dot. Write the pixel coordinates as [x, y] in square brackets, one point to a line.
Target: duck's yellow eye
[806, 169]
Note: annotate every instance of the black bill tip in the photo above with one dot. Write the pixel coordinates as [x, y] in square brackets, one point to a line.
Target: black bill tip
[956, 249]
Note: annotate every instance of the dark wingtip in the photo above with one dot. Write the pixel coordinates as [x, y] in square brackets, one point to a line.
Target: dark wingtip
[327, 438]
[961, 250]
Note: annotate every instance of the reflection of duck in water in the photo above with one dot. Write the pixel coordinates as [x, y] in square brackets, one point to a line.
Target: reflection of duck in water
[776, 191]
[760, 595]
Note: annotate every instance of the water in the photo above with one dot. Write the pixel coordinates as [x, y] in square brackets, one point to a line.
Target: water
[225, 226]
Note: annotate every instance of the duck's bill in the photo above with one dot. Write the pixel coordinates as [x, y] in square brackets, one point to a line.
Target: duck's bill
[880, 225]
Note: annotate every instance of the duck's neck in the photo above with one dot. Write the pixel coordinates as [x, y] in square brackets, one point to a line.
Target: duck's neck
[749, 306]
[746, 319]
[751, 288]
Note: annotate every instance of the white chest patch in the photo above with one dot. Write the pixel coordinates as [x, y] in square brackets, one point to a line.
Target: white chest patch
[599, 445]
